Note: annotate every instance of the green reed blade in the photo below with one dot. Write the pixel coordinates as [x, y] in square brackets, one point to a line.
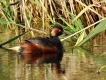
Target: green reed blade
[80, 38]
[3, 21]
[99, 28]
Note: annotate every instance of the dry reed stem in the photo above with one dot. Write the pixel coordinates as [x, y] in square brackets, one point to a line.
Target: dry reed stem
[39, 14]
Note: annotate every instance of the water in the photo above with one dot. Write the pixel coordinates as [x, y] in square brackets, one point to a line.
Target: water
[77, 64]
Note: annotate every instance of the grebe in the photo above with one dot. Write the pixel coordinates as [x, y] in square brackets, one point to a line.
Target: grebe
[43, 50]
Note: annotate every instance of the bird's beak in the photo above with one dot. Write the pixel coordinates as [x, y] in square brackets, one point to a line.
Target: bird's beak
[65, 33]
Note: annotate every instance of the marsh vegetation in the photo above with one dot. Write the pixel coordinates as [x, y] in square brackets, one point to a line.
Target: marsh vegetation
[85, 44]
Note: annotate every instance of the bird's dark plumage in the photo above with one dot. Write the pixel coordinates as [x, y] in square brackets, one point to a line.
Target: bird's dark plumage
[43, 50]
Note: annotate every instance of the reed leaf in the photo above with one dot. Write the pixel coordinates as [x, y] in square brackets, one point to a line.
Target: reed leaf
[99, 28]
[83, 11]
[3, 21]
[71, 27]
[83, 29]
[78, 24]
[80, 38]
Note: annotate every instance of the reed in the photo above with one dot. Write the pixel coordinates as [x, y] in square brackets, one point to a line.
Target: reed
[38, 15]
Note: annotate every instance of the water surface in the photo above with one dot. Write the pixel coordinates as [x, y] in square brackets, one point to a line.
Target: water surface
[77, 64]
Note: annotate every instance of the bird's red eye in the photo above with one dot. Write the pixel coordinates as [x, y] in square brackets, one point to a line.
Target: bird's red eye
[59, 30]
